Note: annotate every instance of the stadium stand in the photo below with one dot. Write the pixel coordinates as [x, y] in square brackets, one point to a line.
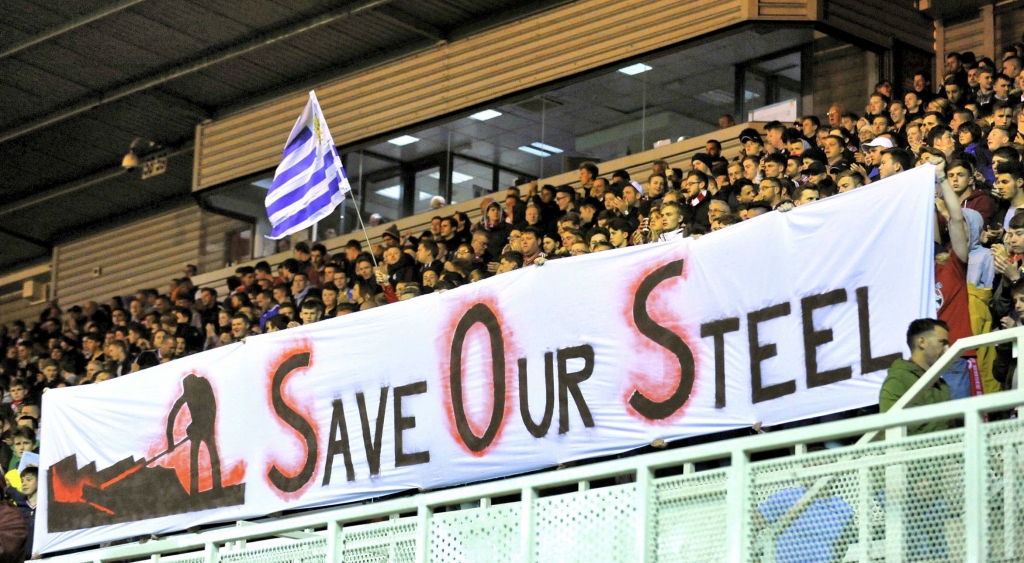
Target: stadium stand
[970, 124]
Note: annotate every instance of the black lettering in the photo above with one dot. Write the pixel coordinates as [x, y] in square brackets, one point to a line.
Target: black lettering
[814, 338]
[538, 430]
[869, 364]
[759, 353]
[403, 423]
[667, 339]
[283, 482]
[340, 445]
[373, 445]
[478, 313]
[568, 384]
[718, 329]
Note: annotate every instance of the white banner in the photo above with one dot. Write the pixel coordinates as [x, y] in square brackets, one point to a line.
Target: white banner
[784, 317]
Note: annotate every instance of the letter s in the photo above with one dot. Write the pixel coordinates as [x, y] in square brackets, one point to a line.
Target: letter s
[301, 425]
[667, 339]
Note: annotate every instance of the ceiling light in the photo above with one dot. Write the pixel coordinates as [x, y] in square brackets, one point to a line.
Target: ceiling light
[390, 192]
[457, 177]
[548, 148]
[131, 160]
[485, 115]
[403, 140]
[532, 150]
[716, 97]
[635, 69]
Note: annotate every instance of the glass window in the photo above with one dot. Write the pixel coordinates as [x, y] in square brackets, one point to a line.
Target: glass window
[428, 185]
[471, 180]
[383, 197]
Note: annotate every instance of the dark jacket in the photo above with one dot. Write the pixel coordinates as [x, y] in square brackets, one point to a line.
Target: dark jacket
[402, 271]
[497, 233]
[698, 214]
[13, 534]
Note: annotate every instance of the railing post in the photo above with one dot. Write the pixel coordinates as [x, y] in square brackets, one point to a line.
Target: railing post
[212, 553]
[864, 515]
[526, 525]
[644, 492]
[1010, 517]
[423, 516]
[974, 490]
[333, 531]
[737, 493]
[895, 516]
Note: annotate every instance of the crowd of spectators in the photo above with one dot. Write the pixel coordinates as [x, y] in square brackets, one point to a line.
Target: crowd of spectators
[971, 127]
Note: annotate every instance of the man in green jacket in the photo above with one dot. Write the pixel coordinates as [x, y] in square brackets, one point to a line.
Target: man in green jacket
[928, 339]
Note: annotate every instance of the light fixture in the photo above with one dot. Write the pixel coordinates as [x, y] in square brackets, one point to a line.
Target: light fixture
[131, 160]
[457, 177]
[485, 115]
[548, 148]
[531, 150]
[635, 69]
[403, 140]
[390, 192]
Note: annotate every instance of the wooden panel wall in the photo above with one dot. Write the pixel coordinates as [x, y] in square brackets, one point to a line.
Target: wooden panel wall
[968, 34]
[1009, 23]
[880, 21]
[144, 254]
[840, 77]
[12, 306]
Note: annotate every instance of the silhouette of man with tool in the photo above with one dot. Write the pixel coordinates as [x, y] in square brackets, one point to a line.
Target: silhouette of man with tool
[197, 395]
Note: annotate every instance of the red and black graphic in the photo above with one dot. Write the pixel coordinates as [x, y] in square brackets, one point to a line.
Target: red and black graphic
[166, 482]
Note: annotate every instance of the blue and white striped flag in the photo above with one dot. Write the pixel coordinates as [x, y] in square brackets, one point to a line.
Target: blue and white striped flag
[310, 181]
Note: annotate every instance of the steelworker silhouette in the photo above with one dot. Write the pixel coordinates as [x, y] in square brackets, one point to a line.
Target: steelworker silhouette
[197, 395]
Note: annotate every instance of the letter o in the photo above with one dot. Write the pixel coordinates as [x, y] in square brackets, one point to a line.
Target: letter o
[478, 313]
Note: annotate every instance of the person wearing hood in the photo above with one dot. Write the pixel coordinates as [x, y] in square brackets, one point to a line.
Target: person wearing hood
[981, 273]
[495, 226]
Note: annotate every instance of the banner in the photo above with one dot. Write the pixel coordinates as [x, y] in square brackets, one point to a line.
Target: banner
[783, 317]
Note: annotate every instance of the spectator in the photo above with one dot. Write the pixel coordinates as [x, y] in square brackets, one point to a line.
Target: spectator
[927, 339]
[13, 532]
[311, 311]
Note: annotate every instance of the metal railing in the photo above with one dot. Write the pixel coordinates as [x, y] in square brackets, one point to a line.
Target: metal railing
[945, 496]
[930, 376]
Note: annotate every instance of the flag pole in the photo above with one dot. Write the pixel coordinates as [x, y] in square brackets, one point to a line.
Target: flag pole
[365, 234]
[359, 215]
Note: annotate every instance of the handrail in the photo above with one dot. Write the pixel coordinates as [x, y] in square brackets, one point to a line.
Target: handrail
[1015, 335]
[738, 449]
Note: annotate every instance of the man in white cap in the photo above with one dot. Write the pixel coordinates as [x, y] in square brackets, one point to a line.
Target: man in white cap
[873, 154]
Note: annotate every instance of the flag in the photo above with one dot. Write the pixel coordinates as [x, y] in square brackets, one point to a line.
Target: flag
[310, 181]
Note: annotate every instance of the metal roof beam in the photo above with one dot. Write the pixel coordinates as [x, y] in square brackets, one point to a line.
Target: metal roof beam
[68, 26]
[405, 21]
[25, 238]
[280, 34]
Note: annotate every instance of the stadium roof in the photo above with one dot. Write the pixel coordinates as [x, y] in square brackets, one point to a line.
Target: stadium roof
[80, 79]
